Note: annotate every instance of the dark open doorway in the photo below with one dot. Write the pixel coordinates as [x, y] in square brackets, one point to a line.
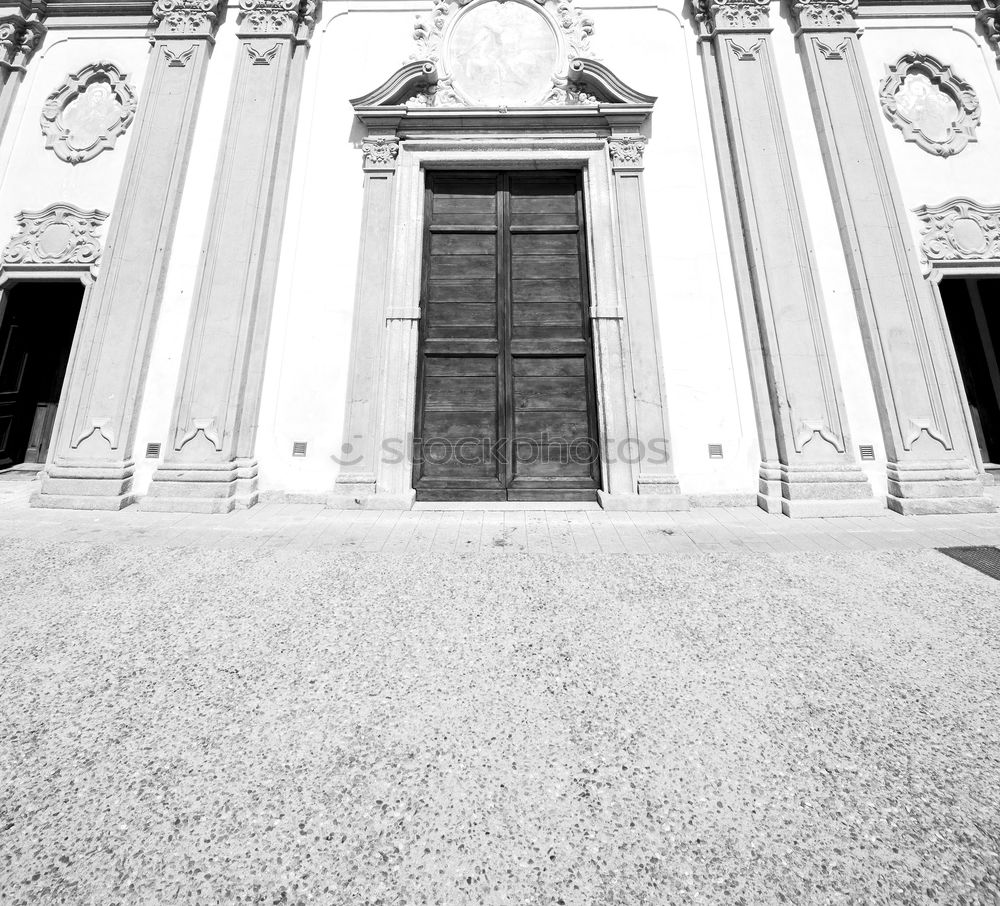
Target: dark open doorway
[36, 334]
[972, 306]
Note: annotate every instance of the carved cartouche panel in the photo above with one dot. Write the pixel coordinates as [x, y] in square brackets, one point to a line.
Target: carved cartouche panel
[502, 53]
[929, 104]
[960, 230]
[60, 234]
[88, 112]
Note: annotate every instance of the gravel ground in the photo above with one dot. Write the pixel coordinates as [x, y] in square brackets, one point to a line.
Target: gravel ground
[297, 727]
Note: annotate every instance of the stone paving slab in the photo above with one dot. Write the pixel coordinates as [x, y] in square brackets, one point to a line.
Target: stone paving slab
[532, 531]
[308, 723]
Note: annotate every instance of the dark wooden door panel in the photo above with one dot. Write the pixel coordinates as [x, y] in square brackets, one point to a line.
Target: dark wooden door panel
[506, 405]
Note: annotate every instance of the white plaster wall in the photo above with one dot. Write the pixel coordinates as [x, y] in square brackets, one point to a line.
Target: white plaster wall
[834, 280]
[355, 48]
[32, 177]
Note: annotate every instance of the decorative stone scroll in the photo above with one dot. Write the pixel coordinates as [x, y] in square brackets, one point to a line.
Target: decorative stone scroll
[627, 152]
[60, 234]
[276, 17]
[960, 230]
[930, 104]
[380, 153]
[88, 112]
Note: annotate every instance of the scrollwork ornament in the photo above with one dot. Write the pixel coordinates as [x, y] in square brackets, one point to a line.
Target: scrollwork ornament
[989, 16]
[185, 17]
[20, 34]
[960, 230]
[59, 234]
[380, 153]
[627, 152]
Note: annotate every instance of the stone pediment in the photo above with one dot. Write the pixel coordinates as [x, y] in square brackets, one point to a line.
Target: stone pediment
[514, 58]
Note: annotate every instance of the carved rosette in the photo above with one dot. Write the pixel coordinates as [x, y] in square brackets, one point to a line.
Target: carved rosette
[284, 18]
[61, 234]
[732, 15]
[88, 112]
[908, 114]
[960, 230]
[626, 153]
[185, 18]
[825, 15]
[380, 153]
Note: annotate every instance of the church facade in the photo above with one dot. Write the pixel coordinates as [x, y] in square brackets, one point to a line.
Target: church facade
[378, 253]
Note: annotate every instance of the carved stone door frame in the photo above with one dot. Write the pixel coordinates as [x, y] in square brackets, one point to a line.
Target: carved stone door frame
[968, 268]
[11, 276]
[611, 357]
[386, 339]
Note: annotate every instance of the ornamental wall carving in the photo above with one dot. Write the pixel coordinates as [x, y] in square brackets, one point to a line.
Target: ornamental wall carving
[88, 112]
[825, 14]
[60, 234]
[20, 32]
[988, 14]
[930, 104]
[960, 230]
[186, 17]
[510, 53]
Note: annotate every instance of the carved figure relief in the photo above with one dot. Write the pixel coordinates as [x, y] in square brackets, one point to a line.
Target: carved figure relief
[930, 105]
[60, 234]
[960, 230]
[502, 53]
[88, 112]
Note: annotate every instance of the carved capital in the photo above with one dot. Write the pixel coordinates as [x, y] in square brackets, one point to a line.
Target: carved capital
[380, 153]
[285, 18]
[185, 18]
[825, 15]
[59, 234]
[20, 33]
[626, 153]
[732, 15]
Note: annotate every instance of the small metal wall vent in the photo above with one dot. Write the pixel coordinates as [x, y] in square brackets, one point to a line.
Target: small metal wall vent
[153, 451]
[867, 451]
[715, 451]
[299, 448]
[984, 559]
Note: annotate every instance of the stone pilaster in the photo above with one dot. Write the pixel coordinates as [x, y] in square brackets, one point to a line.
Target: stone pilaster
[209, 464]
[22, 26]
[930, 465]
[816, 472]
[649, 451]
[359, 467]
[92, 464]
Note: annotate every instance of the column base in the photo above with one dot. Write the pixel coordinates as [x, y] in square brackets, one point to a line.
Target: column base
[86, 486]
[929, 488]
[643, 503]
[817, 492]
[203, 488]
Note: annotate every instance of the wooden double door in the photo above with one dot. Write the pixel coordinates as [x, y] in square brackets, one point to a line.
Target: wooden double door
[505, 403]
